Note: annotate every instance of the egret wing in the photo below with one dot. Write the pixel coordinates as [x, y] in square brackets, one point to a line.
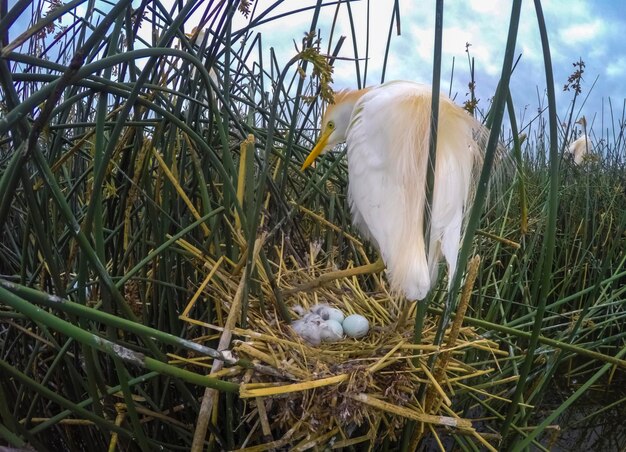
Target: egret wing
[385, 153]
[388, 142]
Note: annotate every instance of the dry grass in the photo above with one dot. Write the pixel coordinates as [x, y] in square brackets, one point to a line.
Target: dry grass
[347, 392]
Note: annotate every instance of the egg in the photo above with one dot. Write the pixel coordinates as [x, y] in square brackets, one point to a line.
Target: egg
[326, 312]
[331, 331]
[356, 326]
[336, 315]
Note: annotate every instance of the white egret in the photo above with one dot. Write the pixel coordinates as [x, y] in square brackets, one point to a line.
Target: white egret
[387, 129]
[581, 146]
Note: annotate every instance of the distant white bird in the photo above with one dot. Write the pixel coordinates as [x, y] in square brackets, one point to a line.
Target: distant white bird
[196, 37]
[581, 146]
[387, 131]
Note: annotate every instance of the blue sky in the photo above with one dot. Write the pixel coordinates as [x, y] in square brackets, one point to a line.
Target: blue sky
[588, 29]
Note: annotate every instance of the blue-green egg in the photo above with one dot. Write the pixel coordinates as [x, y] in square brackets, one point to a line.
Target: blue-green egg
[355, 326]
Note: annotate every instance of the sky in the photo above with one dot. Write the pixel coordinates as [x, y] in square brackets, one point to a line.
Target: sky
[591, 30]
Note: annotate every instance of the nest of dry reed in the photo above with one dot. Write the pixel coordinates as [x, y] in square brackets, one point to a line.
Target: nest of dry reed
[341, 393]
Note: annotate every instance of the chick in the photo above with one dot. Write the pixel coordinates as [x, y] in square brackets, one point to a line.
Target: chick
[308, 328]
[327, 312]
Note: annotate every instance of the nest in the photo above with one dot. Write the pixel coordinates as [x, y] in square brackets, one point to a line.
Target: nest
[340, 394]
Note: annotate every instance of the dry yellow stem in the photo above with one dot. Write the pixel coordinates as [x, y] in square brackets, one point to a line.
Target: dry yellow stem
[265, 423]
[435, 385]
[412, 414]
[179, 189]
[79, 422]
[246, 151]
[209, 394]
[245, 390]
[381, 363]
[255, 353]
[192, 302]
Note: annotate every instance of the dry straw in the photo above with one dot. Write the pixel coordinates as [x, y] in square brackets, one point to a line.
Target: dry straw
[343, 393]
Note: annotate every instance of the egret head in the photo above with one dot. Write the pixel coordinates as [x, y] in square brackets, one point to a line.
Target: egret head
[335, 123]
[582, 121]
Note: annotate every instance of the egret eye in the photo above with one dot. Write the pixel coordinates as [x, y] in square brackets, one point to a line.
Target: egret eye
[330, 125]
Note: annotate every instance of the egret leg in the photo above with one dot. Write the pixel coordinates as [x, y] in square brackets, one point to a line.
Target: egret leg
[375, 267]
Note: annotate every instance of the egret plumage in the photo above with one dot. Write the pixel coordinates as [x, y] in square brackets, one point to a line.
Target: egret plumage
[582, 145]
[386, 129]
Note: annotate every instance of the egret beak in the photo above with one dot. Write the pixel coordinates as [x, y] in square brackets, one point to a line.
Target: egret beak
[317, 150]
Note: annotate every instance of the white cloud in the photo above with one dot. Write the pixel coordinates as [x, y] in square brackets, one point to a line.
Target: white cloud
[616, 68]
[589, 29]
[582, 32]
[491, 9]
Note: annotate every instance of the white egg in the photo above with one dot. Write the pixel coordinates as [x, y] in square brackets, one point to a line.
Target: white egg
[331, 331]
[356, 326]
[336, 315]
